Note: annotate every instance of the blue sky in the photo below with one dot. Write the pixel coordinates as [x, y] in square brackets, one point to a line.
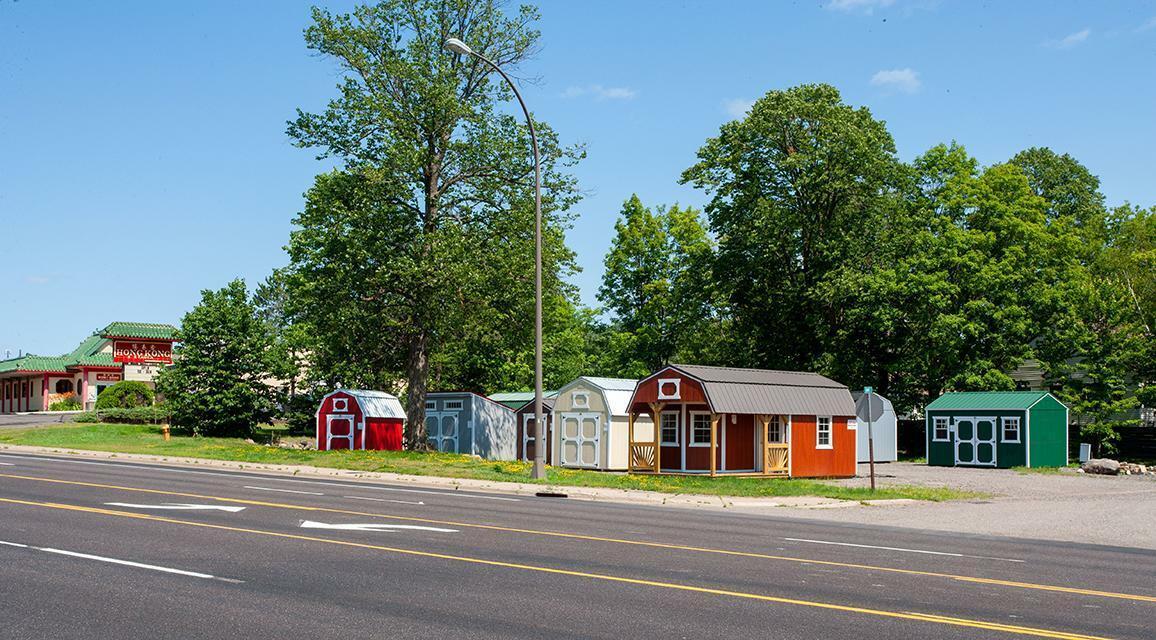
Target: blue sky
[143, 155]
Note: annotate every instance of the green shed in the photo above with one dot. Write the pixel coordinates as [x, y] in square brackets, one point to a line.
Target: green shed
[997, 429]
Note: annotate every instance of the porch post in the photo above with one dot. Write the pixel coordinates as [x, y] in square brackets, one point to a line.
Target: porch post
[766, 420]
[630, 433]
[713, 443]
[656, 420]
[44, 394]
[83, 389]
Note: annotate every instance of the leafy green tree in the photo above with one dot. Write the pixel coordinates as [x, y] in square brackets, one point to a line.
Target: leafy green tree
[291, 339]
[658, 285]
[420, 241]
[216, 385]
[793, 185]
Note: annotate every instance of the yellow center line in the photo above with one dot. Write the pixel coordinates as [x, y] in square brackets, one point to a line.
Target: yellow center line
[903, 615]
[591, 538]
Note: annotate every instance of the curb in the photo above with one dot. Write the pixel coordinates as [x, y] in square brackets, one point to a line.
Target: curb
[592, 494]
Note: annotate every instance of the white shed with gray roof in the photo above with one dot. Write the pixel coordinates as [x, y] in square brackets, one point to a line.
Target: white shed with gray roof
[591, 415]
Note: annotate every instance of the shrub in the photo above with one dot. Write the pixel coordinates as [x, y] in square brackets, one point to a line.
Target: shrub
[125, 395]
[71, 404]
[135, 415]
[1102, 436]
[87, 416]
[300, 413]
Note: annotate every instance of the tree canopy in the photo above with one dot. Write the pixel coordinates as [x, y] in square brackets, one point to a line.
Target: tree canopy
[411, 261]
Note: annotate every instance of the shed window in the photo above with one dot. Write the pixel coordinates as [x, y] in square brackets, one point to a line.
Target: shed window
[670, 428]
[453, 405]
[700, 430]
[431, 405]
[823, 432]
[1011, 429]
[341, 404]
[942, 431]
[581, 400]
[775, 430]
[669, 388]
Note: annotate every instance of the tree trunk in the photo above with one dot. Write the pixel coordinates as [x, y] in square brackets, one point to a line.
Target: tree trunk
[417, 375]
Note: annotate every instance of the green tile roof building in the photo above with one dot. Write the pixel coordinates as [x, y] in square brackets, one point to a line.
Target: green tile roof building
[122, 350]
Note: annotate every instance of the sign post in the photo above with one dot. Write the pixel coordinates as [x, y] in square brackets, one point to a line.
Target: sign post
[870, 392]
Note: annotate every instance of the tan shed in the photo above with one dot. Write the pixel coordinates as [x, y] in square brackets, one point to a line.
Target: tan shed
[592, 418]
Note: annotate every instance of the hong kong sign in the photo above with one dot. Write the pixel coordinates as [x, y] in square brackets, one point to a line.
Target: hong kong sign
[137, 351]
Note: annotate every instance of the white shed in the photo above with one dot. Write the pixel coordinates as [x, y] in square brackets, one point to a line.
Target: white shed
[592, 416]
[884, 429]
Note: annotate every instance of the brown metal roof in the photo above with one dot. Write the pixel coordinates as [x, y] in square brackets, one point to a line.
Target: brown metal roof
[732, 390]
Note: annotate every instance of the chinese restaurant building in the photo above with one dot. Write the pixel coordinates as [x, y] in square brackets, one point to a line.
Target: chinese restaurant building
[120, 351]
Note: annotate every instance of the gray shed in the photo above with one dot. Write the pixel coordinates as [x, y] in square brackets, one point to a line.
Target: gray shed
[884, 429]
[469, 423]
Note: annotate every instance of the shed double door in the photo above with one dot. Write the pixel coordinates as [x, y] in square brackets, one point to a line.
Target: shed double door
[441, 428]
[975, 441]
[581, 444]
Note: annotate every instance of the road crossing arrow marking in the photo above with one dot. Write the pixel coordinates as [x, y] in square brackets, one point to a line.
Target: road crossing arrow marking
[178, 507]
[376, 526]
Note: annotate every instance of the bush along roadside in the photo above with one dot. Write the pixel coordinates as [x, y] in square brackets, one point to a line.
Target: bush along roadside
[135, 415]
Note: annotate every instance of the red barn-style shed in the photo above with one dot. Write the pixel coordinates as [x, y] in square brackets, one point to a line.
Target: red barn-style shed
[359, 419]
[757, 422]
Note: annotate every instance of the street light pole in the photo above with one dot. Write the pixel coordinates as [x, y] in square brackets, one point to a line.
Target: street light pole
[539, 470]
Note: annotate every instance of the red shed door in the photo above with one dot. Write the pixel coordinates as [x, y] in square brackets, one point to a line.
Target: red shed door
[340, 433]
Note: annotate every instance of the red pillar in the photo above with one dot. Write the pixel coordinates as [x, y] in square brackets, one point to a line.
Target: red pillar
[44, 394]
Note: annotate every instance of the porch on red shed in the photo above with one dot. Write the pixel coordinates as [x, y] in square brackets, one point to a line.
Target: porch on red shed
[740, 422]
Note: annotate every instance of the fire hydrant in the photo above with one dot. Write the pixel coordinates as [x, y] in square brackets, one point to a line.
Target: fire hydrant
[165, 431]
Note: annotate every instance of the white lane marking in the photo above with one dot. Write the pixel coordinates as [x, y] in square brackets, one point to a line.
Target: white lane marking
[308, 493]
[179, 507]
[376, 526]
[127, 563]
[384, 500]
[925, 551]
[6, 464]
[452, 494]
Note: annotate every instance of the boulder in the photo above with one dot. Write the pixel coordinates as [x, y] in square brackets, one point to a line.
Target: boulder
[1103, 466]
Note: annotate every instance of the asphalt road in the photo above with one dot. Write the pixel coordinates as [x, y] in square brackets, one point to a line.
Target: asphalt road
[24, 420]
[88, 549]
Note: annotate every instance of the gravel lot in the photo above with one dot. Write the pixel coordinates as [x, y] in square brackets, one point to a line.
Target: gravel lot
[1109, 510]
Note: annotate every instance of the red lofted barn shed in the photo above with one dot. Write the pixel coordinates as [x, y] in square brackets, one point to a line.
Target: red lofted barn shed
[728, 421]
[359, 419]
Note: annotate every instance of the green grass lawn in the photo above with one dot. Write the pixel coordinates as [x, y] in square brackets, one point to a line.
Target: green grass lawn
[147, 439]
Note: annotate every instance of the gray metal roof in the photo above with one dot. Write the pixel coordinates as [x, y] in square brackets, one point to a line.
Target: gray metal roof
[377, 404]
[765, 391]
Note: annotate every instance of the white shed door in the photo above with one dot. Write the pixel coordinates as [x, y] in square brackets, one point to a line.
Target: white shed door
[580, 439]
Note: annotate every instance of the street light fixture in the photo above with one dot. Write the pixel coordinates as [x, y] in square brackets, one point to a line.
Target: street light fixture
[539, 470]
